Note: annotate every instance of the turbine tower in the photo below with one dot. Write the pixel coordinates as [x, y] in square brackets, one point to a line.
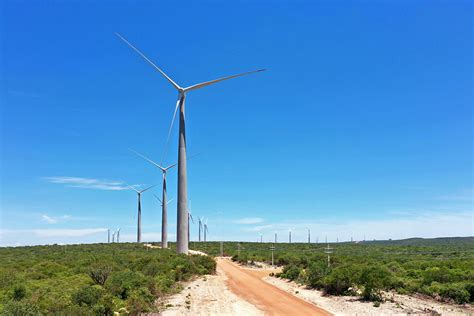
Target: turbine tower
[164, 209]
[108, 236]
[182, 242]
[113, 237]
[139, 217]
[118, 235]
[276, 237]
[289, 236]
[205, 230]
[200, 227]
[164, 229]
[190, 217]
[309, 236]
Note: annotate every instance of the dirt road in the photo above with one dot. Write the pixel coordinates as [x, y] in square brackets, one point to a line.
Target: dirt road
[249, 285]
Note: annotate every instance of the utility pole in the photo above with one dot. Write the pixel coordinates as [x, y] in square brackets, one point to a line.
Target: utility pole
[328, 251]
[272, 248]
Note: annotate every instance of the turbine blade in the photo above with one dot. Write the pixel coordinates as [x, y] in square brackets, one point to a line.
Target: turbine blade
[169, 167]
[170, 129]
[148, 188]
[149, 61]
[191, 216]
[207, 83]
[157, 198]
[133, 188]
[148, 159]
[171, 200]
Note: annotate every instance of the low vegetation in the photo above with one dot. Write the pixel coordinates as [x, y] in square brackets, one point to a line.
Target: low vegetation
[95, 279]
[442, 268]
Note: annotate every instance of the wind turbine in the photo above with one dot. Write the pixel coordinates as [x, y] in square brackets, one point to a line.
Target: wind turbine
[205, 230]
[118, 235]
[164, 209]
[289, 236]
[309, 236]
[200, 227]
[139, 219]
[108, 236]
[276, 237]
[190, 217]
[182, 242]
[113, 237]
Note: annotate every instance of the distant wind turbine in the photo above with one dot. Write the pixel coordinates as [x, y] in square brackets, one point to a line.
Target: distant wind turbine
[289, 236]
[309, 236]
[108, 236]
[113, 237]
[182, 242]
[118, 235]
[206, 230]
[139, 219]
[276, 237]
[200, 228]
[164, 230]
[164, 209]
[190, 217]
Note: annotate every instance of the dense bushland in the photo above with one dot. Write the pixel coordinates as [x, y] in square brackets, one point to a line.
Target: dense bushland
[95, 279]
[442, 268]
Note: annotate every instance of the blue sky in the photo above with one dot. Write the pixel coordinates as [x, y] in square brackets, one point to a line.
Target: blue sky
[361, 126]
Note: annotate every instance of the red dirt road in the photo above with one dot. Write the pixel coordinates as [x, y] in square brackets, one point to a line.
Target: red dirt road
[249, 285]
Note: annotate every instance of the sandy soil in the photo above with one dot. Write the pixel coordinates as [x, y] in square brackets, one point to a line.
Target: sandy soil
[248, 284]
[209, 296]
[349, 305]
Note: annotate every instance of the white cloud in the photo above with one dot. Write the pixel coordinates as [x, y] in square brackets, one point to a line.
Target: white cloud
[48, 219]
[54, 219]
[80, 232]
[259, 228]
[249, 220]
[88, 183]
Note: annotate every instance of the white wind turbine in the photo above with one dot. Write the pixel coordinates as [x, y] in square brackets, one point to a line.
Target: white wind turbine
[118, 235]
[164, 229]
[164, 209]
[182, 242]
[190, 217]
[139, 219]
[200, 228]
[206, 230]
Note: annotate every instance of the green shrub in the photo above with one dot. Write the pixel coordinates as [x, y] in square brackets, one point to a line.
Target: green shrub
[87, 295]
[140, 301]
[456, 292]
[339, 281]
[18, 292]
[374, 279]
[121, 283]
[291, 272]
[316, 272]
[470, 289]
[20, 308]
